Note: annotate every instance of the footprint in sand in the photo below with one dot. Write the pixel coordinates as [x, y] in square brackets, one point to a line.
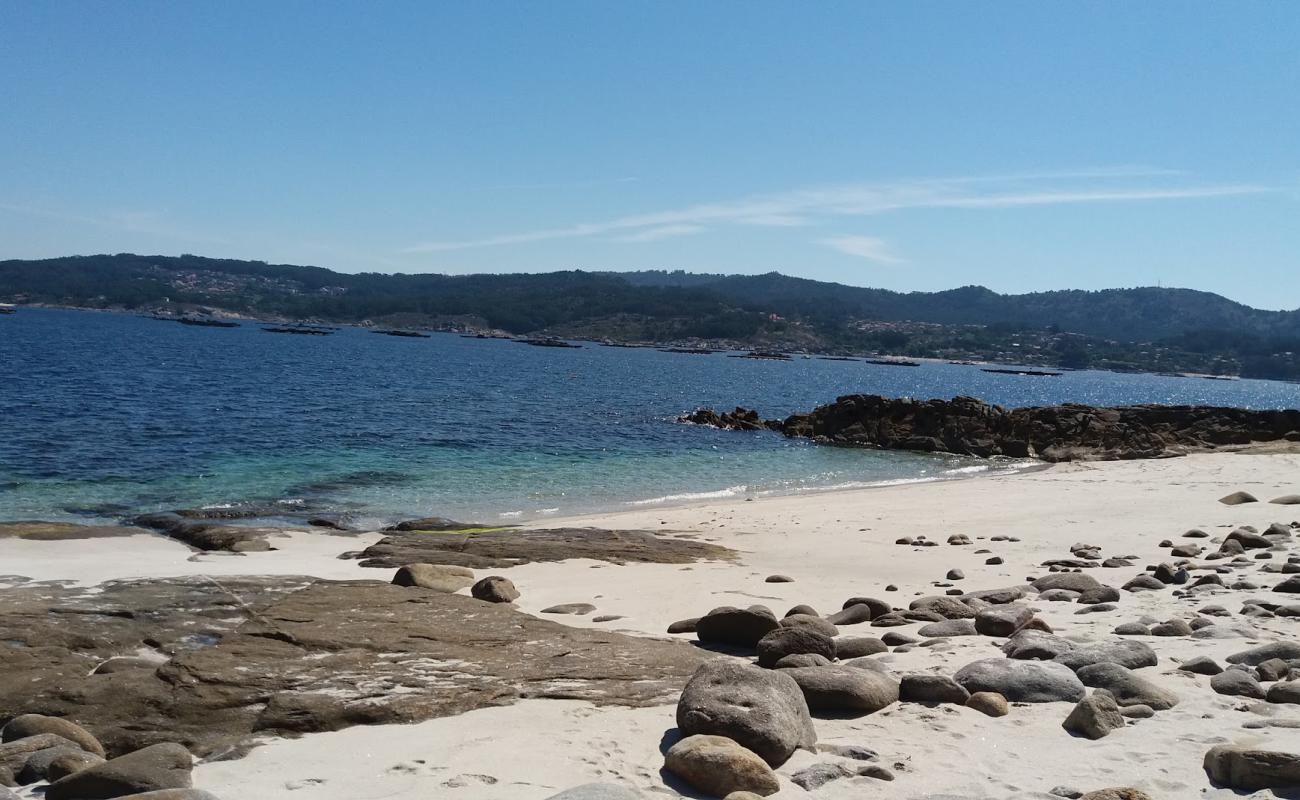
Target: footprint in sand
[305, 783]
[469, 779]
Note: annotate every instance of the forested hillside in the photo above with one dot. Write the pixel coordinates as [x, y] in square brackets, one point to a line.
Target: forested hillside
[1143, 328]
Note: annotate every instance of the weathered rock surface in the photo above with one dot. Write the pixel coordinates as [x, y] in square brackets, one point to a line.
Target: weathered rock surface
[921, 688]
[740, 627]
[495, 589]
[762, 710]
[1069, 432]
[24, 725]
[845, 689]
[1237, 683]
[782, 642]
[990, 704]
[1127, 687]
[159, 766]
[51, 531]
[378, 653]
[1021, 681]
[719, 766]
[206, 535]
[440, 577]
[489, 549]
[1095, 716]
[1125, 652]
[1244, 768]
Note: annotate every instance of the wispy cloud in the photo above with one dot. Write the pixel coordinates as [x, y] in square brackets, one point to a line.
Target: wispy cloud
[663, 232]
[812, 205]
[868, 247]
[149, 223]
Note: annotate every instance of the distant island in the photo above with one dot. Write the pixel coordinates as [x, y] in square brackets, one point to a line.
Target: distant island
[1143, 329]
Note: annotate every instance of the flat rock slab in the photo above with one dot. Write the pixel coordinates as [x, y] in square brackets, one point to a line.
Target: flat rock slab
[51, 531]
[511, 547]
[291, 654]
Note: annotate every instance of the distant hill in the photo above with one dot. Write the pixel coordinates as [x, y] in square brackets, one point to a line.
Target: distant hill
[1192, 330]
[1125, 314]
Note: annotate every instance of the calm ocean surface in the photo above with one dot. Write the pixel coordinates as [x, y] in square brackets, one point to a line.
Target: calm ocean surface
[103, 415]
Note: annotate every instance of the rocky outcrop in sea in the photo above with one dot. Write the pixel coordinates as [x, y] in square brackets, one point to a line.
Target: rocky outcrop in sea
[968, 426]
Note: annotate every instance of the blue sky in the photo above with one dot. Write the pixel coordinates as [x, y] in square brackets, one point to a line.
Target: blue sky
[912, 146]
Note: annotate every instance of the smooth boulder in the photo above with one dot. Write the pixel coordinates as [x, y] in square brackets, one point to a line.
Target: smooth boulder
[159, 766]
[495, 589]
[783, 642]
[1094, 716]
[719, 766]
[1127, 687]
[845, 689]
[739, 627]
[1022, 681]
[438, 577]
[1245, 768]
[762, 710]
[24, 725]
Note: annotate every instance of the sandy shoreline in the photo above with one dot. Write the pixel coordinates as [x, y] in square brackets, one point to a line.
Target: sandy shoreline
[834, 545]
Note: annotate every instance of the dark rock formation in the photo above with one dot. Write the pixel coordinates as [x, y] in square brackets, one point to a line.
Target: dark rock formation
[495, 549]
[742, 419]
[237, 653]
[1069, 432]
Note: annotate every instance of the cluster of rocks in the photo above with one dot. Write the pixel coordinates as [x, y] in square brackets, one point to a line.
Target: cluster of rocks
[1071, 432]
[736, 718]
[36, 749]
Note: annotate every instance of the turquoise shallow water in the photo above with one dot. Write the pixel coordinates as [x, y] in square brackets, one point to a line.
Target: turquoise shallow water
[105, 415]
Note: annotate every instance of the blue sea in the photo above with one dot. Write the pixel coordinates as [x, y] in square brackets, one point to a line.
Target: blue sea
[107, 415]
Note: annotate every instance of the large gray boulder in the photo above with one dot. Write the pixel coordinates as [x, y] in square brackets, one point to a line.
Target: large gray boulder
[847, 647]
[926, 688]
[1125, 652]
[1031, 645]
[1022, 681]
[1127, 687]
[763, 710]
[739, 627]
[1258, 655]
[14, 754]
[845, 689]
[1004, 620]
[944, 606]
[1244, 768]
[949, 627]
[1094, 717]
[24, 725]
[159, 766]
[1237, 683]
[799, 640]
[439, 577]
[718, 766]
[1074, 581]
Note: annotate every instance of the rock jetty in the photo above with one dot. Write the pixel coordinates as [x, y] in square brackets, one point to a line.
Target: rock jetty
[967, 426]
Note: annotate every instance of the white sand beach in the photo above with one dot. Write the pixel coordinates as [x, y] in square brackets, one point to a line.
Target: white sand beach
[834, 546]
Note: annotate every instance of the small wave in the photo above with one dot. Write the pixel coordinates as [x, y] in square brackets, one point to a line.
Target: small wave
[511, 514]
[734, 491]
[971, 470]
[547, 510]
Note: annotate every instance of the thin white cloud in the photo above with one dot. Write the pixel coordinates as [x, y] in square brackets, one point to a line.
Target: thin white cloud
[663, 232]
[868, 247]
[807, 206]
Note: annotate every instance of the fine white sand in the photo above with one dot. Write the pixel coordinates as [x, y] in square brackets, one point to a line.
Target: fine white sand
[834, 545]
